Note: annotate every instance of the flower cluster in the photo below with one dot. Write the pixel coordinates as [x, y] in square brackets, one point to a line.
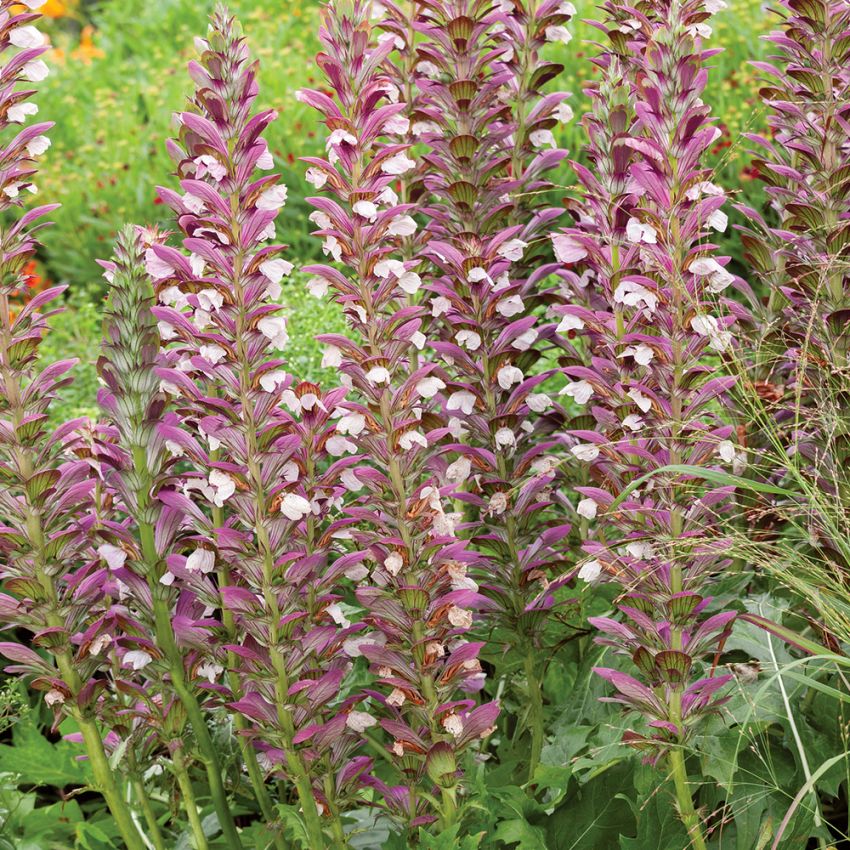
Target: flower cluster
[413, 583]
[656, 325]
[488, 130]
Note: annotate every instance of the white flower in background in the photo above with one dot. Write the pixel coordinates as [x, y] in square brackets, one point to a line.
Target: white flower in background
[316, 177]
[505, 438]
[633, 422]
[637, 232]
[703, 188]
[393, 563]
[640, 399]
[114, 556]
[273, 198]
[378, 375]
[410, 282]
[641, 549]
[512, 249]
[439, 306]
[352, 423]
[715, 6]
[35, 71]
[525, 340]
[429, 386]
[585, 451]
[294, 507]
[384, 268]
[510, 306]
[366, 209]
[208, 164]
[138, 659]
[212, 353]
[700, 31]
[157, 268]
[275, 270]
[418, 339]
[273, 328]
[633, 294]
[558, 33]
[476, 274]
[469, 340]
[641, 353]
[570, 323]
[542, 138]
[359, 721]
[567, 249]
[320, 219]
[590, 571]
[459, 471]
[332, 247]
[706, 325]
[718, 278]
[411, 438]
[453, 724]
[397, 164]
[54, 697]
[19, 112]
[402, 225]
[397, 125]
[270, 381]
[462, 400]
[538, 402]
[460, 617]
[564, 113]
[507, 376]
[587, 508]
[318, 287]
[221, 487]
[26, 37]
[718, 220]
[210, 671]
[331, 357]
[579, 391]
[201, 560]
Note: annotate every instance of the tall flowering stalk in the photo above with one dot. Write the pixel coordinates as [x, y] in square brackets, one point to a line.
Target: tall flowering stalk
[488, 127]
[417, 597]
[48, 496]
[655, 334]
[263, 445]
[802, 259]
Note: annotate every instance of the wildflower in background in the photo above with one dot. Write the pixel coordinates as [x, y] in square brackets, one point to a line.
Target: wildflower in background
[413, 584]
[653, 322]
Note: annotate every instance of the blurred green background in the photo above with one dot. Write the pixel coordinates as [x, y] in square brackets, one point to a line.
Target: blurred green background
[118, 74]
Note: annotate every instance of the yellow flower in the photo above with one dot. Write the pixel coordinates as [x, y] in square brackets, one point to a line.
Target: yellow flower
[86, 51]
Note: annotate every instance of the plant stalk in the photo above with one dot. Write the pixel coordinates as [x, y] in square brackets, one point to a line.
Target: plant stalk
[184, 781]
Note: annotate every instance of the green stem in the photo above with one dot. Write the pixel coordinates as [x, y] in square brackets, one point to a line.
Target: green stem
[189, 804]
[534, 711]
[448, 808]
[104, 781]
[684, 801]
[154, 832]
[206, 748]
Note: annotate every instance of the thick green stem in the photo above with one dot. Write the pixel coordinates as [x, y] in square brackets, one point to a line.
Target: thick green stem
[104, 781]
[534, 711]
[448, 808]
[684, 801]
[154, 832]
[191, 807]
[206, 748]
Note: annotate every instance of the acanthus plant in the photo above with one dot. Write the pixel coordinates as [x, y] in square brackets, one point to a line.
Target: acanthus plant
[50, 499]
[798, 251]
[418, 600]
[270, 483]
[656, 328]
[487, 128]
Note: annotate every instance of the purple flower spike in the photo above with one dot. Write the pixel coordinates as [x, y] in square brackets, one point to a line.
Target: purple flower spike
[412, 569]
[648, 302]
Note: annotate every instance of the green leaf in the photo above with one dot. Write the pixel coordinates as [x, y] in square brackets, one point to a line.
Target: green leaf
[518, 831]
[37, 761]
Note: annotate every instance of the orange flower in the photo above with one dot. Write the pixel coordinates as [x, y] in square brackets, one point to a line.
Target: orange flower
[51, 9]
[86, 51]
